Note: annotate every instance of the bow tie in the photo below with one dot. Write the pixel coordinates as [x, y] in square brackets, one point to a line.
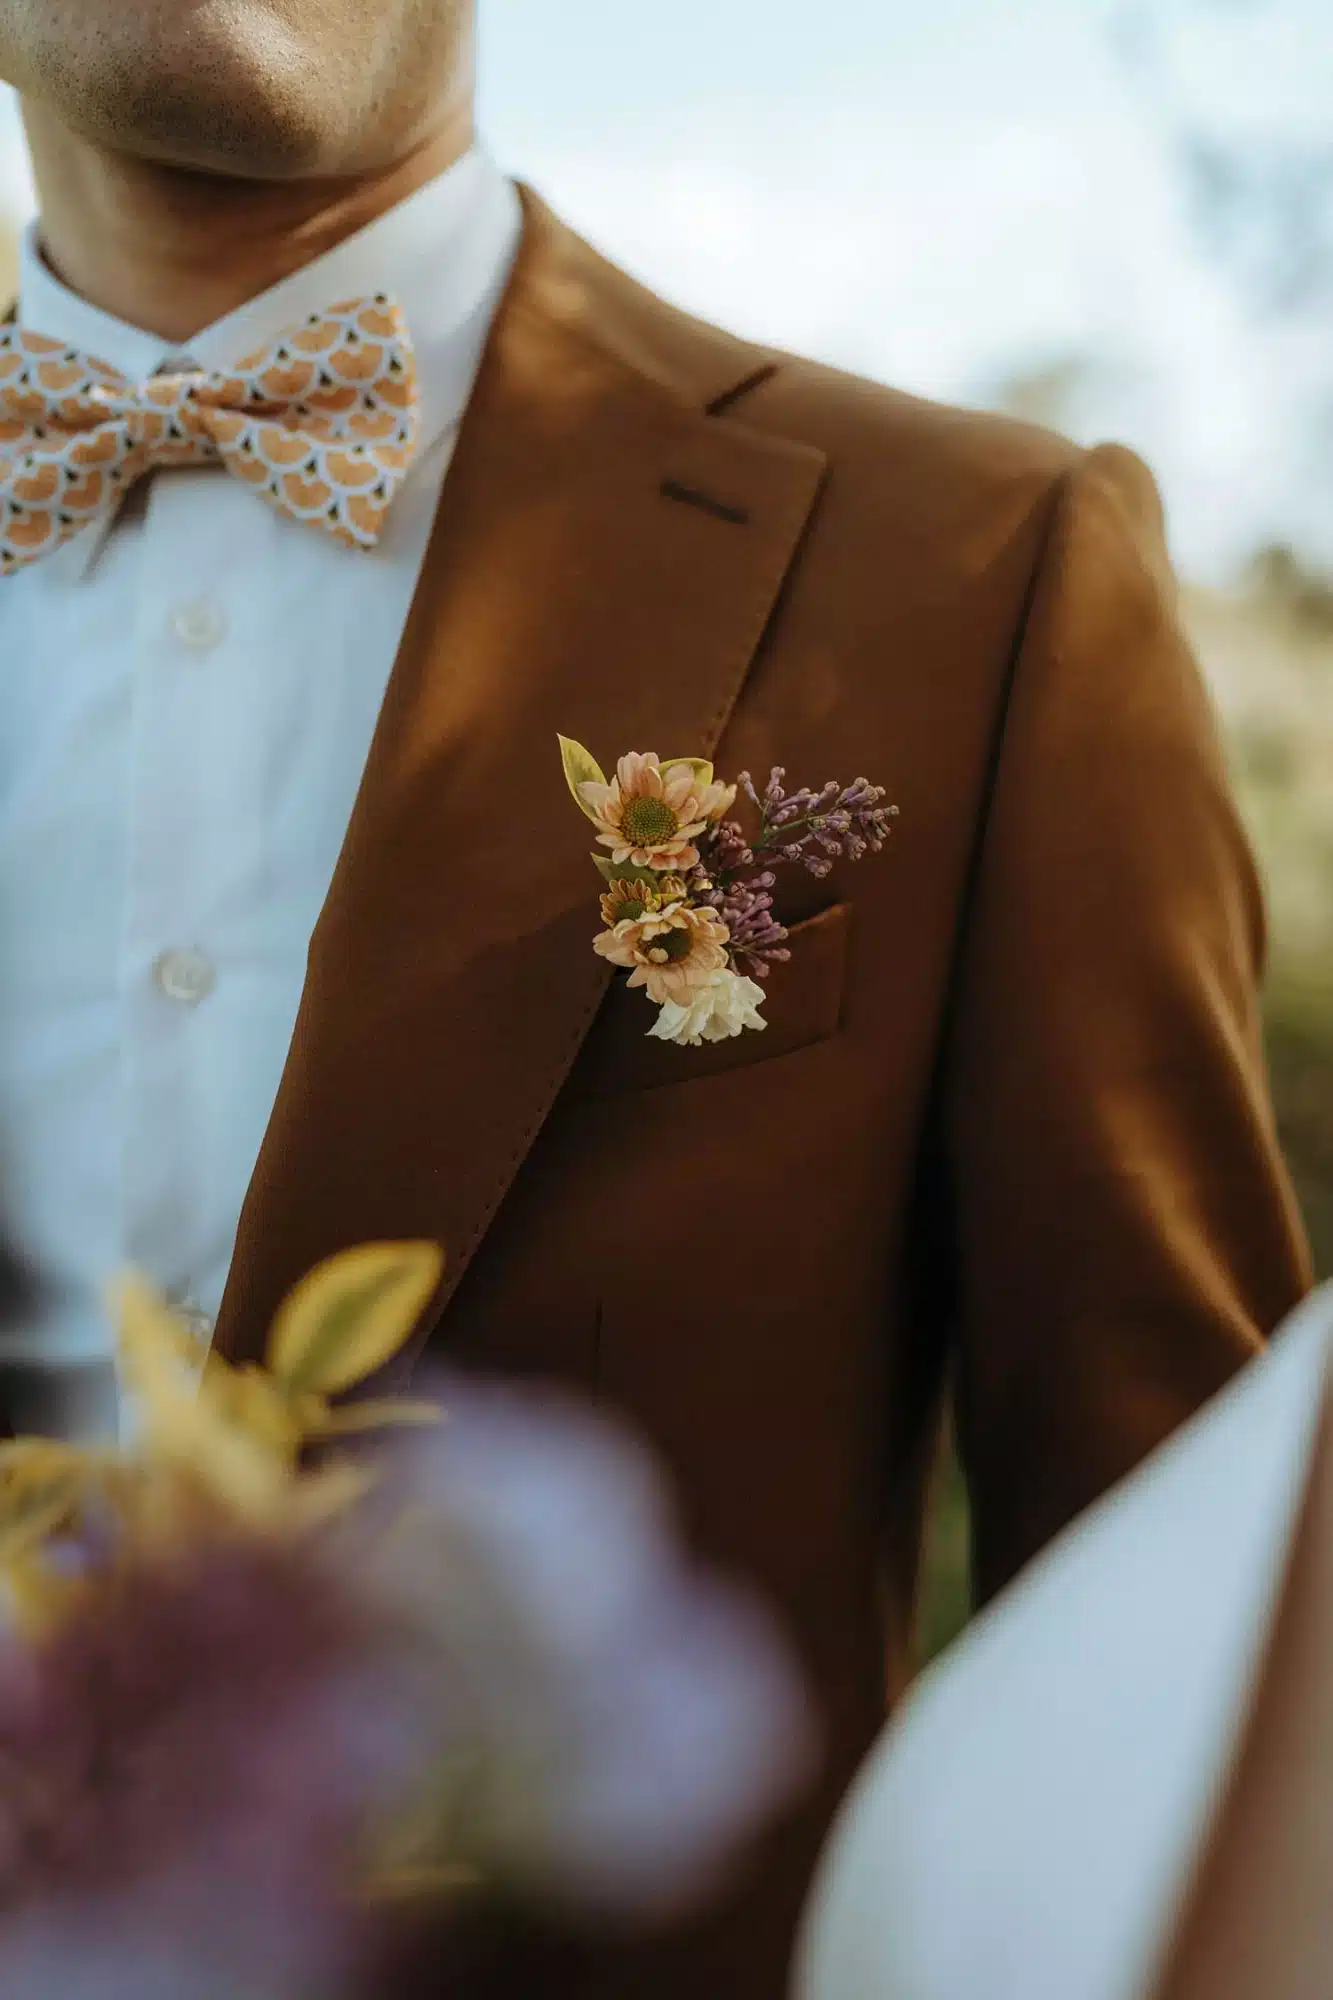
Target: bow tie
[323, 423]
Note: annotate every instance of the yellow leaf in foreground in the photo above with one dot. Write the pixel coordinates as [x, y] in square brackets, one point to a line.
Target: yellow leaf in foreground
[351, 1316]
[150, 1341]
[28, 1461]
[250, 1400]
[355, 1418]
[35, 1596]
[36, 1504]
[182, 1428]
[239, 1472]
[322, 1496]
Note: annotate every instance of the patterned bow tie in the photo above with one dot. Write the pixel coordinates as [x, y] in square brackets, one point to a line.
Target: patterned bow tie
[323, 423]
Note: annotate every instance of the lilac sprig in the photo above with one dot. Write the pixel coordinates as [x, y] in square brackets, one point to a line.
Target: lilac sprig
[757, 940]
[809, 829]
[728, 852]
[816, 829]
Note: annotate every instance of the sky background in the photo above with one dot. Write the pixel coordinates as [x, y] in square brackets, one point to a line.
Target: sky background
[945, 197]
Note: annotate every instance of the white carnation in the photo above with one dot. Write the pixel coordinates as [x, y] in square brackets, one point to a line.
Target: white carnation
[726, 1006]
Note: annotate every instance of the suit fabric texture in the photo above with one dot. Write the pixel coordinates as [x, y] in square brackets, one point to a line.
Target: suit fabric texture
[1009, 1125]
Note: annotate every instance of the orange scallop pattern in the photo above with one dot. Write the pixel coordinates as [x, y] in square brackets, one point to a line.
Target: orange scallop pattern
[324, 423]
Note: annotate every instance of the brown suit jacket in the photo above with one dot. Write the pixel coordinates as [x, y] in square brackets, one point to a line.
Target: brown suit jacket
[1010, 1117]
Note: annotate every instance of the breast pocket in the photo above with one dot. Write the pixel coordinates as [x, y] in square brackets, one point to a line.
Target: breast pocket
[803, 1005]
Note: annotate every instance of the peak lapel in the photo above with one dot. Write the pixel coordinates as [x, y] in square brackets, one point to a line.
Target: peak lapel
[604, 563]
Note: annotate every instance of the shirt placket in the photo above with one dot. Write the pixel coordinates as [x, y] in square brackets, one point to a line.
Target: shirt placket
[169, 970]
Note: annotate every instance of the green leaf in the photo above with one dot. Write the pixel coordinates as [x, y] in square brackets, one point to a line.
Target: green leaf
[351, 1316]
[624, 871]
[700, 766]
[581, 768]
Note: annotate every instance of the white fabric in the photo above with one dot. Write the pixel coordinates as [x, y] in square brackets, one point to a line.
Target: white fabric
[187, 699]
[1029, 1824]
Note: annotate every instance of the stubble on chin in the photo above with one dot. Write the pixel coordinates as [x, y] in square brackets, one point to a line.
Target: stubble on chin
[223, 86]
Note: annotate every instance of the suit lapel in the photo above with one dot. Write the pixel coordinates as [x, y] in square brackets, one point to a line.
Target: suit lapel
[604, 563]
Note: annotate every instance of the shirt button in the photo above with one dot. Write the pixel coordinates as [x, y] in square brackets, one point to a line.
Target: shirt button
[185, 976]
[200, 626]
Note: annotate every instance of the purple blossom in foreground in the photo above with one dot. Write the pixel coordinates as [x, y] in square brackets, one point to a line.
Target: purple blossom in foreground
[611, 1724]
[183, 1768]
[500, 1658]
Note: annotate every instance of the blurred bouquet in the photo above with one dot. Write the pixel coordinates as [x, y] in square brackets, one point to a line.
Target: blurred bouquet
[256, 1677]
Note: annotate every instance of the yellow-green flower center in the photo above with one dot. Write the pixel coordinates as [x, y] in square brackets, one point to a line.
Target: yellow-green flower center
[647, 822]
[631, 902]
[672, 945]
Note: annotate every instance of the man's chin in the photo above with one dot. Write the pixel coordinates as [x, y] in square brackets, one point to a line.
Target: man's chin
[243, 144]
[236, 102]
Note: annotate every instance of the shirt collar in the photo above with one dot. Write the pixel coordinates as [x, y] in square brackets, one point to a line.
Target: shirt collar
[444, 254]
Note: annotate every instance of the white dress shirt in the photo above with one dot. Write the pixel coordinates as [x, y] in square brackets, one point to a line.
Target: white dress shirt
[187, 699]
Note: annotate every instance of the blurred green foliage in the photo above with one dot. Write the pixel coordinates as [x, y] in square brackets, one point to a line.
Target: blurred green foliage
[1300, 1051]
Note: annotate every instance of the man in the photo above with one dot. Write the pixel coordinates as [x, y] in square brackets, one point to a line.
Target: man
[1009, 1116]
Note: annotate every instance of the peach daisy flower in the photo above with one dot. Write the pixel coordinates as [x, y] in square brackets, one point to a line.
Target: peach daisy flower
[672, 951]
[629, 902]
[651, 817]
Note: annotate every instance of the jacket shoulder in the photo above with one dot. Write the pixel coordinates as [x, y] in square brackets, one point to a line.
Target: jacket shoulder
[869, 429]
[853, 420]
[896, 461]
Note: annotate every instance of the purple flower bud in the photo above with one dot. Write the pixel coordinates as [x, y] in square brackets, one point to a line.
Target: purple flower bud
[201, 1738]
[617, 1722]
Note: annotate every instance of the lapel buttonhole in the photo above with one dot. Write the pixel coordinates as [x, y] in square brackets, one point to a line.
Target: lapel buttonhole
[691, 496]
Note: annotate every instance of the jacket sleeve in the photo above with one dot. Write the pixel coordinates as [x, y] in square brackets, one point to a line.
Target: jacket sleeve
[1124, 1228]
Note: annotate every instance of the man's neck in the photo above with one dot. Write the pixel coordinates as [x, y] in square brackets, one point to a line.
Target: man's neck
[172, 252]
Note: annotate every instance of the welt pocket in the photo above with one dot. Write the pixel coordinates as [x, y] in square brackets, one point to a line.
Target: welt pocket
[803, 1005]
